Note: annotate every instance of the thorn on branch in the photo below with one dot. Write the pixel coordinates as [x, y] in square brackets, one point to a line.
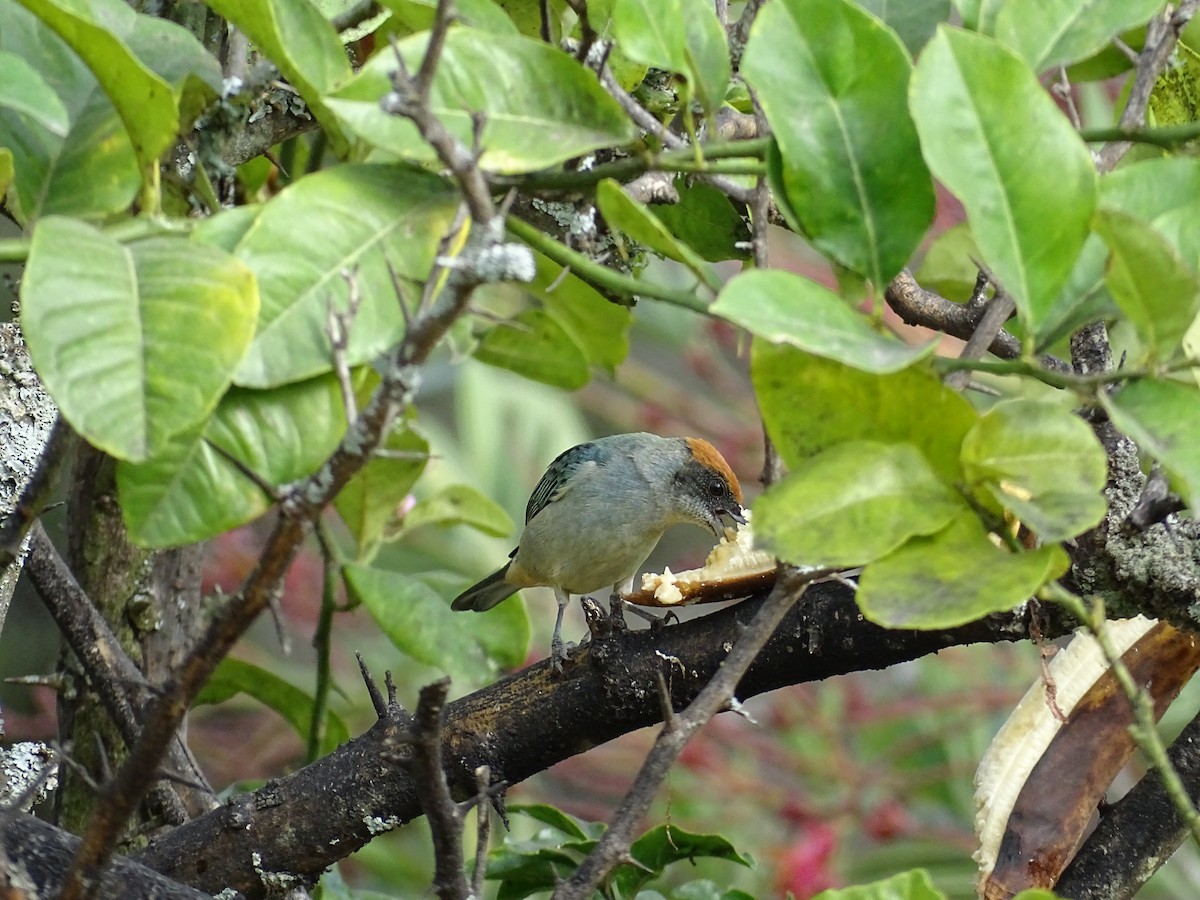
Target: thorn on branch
[377, 701]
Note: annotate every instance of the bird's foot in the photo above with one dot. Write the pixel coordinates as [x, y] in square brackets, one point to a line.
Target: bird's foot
[559, 653]
[616, 612]
[657, 622]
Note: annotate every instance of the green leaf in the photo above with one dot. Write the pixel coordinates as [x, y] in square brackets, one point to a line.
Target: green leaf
[1040, 462]
[913, 20]
[371, 498]
[787, 309]
[143, 100]
[227, 228]
[997, 140]
[953, 577]
[417, 621]
[843, 404]
[384, 214]
[568, 825]
[705, 220]
[297, 37]
[90, 171]
[540, 107]
[1164, 192]
[134, 343]
[1161, 417]
[233, 677]
[625, 214]
[912, 885]
[190, 492]
[681, 36]
[1049, 33]
[666, 844]
[533, 344]
[599, 328]
[947, 267]
[1158, 291]
[24, 91]
[834, 84]
[853, 503]
[460, 504]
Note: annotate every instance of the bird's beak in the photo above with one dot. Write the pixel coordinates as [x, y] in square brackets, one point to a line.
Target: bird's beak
[717, 520]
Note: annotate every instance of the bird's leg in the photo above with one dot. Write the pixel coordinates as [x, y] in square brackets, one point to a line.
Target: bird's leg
[558, 652]
[617, 606]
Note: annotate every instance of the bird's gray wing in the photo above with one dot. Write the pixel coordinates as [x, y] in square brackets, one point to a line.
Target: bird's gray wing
[558, 476]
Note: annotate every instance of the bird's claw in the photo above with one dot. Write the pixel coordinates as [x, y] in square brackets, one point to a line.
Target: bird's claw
[559, 653]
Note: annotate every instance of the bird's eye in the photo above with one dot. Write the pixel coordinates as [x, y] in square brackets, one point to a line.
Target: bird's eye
[716, 487]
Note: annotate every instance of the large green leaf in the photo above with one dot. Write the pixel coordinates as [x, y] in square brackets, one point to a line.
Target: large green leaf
[190, 491]
[810, 404]
[598, 327]
[295, 36]
[233, 677]
[1158, 291]
[1162, 417]
[417, 620]
[705, 220]
[1042, 463]
[539, 106]
[460, 504]
[853, 503]
[952, 577]
[787, 309]
[681, 36]
[1165, 192]
[134, 343]
[535, 345]
[25, 92]
[834, 83]
[143, 100]
[913, 20]
[1048, 33]
[90, 169]
[996, 139]
[384, 214]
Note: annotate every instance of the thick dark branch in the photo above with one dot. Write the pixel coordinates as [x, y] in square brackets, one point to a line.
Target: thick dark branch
[35, 857]
[109, 670]
[526, 723]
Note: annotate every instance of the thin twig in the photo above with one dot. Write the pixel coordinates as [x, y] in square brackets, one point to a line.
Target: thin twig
[483, 812]
[338, 325]
[991, 323]
[433, 791]
[331, 569]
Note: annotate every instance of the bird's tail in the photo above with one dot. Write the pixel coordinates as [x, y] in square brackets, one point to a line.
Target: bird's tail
[485, 594]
